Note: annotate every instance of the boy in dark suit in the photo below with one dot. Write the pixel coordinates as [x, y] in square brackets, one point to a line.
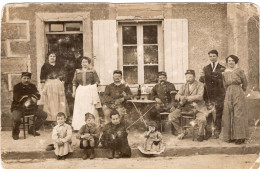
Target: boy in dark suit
[214, 90]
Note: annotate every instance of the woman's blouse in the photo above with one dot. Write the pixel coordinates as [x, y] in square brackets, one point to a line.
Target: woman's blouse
[85, 77]
[49, 71]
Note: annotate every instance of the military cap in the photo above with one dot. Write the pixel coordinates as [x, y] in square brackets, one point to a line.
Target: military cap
[190, 71]
[162, 73]
[26, 74]
[117, 72]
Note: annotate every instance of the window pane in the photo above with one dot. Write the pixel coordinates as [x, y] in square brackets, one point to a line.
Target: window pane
[129, 35]
[151, 54]
[150, 74]
[150, 34]
[129, 55]
[130, 74]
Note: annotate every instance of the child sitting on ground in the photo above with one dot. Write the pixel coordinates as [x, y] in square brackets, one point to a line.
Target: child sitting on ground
[88, 135]
[115, 137]
[154, 138]
[61, 135]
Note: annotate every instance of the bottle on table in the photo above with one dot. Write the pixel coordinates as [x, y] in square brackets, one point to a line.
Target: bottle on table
[139, 92]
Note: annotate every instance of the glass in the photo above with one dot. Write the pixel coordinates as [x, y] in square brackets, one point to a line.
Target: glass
[150, 34]
[130, 74]
[150, 74]
[129, 55]
[129, 35]
[151, 54]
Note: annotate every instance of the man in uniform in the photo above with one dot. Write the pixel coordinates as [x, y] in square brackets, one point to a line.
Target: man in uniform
[115, 96]
[190, 97]
[25, 96]
[214, 90]
[163, 93]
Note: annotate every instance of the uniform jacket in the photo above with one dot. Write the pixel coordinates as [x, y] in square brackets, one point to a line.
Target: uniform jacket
[162, 91]
[21, 90]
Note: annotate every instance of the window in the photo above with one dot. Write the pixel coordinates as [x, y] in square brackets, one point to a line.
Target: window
[140, 52]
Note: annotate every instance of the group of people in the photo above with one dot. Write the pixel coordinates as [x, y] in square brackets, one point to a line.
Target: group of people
[219, 89]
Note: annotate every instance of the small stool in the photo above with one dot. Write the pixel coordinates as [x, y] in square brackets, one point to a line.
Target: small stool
[26, 122]
[164, 119]
[184, 125]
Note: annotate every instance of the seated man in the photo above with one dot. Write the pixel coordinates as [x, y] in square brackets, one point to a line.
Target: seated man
[190, 97]
[163, 93]
[25, 96]
[115, 96]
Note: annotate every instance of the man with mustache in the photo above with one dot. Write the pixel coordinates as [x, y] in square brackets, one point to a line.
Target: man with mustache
[115, 96]
[163, 93]
[190, 97]
[25, 96]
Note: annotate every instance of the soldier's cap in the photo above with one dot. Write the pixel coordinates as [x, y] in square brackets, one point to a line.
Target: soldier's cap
[28, 74]
[152, 123]
[89, 115]
[190, 71]
[162, 73]
[117, 72]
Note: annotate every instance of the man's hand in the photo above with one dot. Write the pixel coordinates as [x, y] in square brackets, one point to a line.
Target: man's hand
[158, 100]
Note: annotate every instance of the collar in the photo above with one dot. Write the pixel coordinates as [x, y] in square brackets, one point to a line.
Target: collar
[52, 64]
[117, 84]
[61, 124]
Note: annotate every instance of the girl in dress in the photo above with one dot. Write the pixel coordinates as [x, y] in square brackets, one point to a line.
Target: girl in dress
[53, 94]
[85, 83]
[61, 135]
[235, 120]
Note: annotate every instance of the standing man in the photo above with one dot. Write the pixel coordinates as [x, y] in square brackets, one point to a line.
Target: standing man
[25, 96]
[163, 93]
[214, 90]
[115, 96]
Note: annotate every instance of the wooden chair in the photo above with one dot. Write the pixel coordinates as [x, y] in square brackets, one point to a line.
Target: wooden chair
[164, 119]
[26, 119]
[185, 123]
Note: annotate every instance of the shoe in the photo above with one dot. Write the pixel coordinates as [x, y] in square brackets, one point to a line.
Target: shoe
[200, 138]
[117, 154]
[216, 135]
[85, 156]
[207, 135]
[32, 133]
[110, 154]
[92, 153]
[63, 157]
[231, 141]
[15, 137]
[58, 157]
[240, 141]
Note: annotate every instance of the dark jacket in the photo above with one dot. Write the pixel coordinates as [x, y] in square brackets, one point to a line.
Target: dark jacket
[115, 137]
[21, 90]
[214, 90]
[165, 92]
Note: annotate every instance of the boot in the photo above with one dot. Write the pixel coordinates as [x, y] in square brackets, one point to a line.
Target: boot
[31, 131]
[92, 153]
[200, 138]
[117, 154]
[207, 135]
[85, 156]
[110, 154]
[15, 132]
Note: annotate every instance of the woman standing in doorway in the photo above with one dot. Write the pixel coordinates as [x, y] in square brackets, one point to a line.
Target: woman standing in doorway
[235, 120]
[85, 83]
[53, 94]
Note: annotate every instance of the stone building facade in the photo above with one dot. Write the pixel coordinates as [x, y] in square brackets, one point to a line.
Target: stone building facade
[163, 36]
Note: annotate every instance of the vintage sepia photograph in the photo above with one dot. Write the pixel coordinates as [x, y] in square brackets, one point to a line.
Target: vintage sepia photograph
[130, 85]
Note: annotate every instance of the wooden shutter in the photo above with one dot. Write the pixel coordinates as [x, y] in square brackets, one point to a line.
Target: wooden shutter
[105, 49]
[176, 49]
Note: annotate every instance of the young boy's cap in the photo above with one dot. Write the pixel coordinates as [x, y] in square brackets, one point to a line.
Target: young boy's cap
[89, 115]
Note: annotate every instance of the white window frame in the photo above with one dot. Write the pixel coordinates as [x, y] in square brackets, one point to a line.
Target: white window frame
[140, 57]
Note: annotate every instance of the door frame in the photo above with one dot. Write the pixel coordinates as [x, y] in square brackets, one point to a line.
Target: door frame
[41, 18]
